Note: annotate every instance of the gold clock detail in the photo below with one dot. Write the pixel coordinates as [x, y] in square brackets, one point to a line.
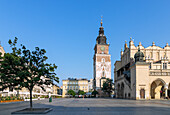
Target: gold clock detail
[102, 48]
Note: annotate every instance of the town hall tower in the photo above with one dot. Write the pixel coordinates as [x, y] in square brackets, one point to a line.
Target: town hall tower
[101, 60]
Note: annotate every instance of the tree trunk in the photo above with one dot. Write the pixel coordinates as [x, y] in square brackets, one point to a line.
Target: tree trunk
[31, 99]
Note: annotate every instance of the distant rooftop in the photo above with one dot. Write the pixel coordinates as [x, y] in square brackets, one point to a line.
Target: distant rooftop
[73, 79]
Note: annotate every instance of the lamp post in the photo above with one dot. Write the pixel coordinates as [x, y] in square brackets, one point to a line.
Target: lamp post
[18, 90]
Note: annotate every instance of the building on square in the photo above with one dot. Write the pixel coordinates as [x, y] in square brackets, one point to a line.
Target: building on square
[101, 60]
[75, 85]
[90, 85]
[143, 73]
[56, 90]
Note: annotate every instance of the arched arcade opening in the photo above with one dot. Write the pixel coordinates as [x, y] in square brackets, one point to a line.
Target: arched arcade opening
[158, 89]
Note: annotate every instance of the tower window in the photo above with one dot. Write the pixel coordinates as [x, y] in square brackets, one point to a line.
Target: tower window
[103, 60]
[103, 74]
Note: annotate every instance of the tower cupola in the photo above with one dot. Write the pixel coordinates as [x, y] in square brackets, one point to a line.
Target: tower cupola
[101, 39]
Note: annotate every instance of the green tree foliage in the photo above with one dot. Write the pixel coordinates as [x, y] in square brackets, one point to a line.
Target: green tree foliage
[107, 86]
[71, 92]
[94, 93]
[25, 68]
[81, 92]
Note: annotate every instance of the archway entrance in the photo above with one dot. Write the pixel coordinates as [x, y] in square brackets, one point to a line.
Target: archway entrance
[122, 90]
[142, 93]
[157, 89]
[168, 91]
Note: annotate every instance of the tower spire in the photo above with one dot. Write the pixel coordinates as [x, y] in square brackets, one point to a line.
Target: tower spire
[101, 39]
[101, 29]
[101, 21]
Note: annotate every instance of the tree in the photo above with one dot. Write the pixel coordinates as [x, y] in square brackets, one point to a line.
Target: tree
[71, 92]
[107, 86]
[81, 92]
[25, 68]
[94, 93]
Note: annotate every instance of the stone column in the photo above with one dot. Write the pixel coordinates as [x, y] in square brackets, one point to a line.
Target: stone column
[166, 90]
[166, 93]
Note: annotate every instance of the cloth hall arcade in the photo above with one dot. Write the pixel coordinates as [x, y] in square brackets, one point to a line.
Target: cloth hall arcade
[143, 73]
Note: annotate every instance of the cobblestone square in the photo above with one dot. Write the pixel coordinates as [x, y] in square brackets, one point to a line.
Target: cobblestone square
[94, 106]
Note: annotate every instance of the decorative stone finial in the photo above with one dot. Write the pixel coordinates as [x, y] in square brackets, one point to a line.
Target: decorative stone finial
[131, 43]
[130, 38]
[125, 47]
[167, 44]
[153, 43]
[140, 44]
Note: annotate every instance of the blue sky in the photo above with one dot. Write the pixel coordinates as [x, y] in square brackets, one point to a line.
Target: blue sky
[67, 29]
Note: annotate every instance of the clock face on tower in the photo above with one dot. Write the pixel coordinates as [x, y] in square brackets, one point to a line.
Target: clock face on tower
[102, 48]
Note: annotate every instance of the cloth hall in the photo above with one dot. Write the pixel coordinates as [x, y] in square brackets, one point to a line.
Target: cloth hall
[143, 73]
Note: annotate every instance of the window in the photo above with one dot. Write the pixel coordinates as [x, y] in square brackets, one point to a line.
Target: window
[150, 66]
[164, 54]
[157, 67]
[103, 74]
[150, 55]
[164, 65]
[103, 60]
[129, 95]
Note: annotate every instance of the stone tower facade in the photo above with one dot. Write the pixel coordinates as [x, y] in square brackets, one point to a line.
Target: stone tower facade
[101, 60]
